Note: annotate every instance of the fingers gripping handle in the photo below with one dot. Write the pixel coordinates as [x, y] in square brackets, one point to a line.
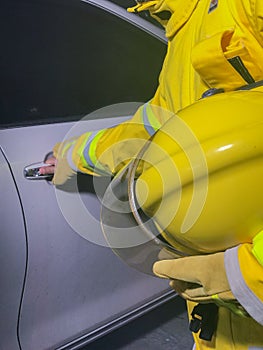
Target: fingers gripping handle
[33, 171]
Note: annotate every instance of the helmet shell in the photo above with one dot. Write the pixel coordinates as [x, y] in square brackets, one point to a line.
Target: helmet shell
[202, 173]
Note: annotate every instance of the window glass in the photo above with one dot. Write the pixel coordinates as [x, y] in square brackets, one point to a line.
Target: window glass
[64, 59]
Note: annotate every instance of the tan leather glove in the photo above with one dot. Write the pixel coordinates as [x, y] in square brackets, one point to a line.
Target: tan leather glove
[201, 279]
[63, 172]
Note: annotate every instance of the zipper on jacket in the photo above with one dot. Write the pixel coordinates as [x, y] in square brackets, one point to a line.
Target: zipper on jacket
[239, 66]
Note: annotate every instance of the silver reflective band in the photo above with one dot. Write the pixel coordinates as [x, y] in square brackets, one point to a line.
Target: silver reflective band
[241, 291]
[69, 159]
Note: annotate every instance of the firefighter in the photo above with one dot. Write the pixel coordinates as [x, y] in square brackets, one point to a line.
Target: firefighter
[214, 48]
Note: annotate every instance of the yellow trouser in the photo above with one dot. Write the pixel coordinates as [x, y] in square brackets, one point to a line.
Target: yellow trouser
[233, 333]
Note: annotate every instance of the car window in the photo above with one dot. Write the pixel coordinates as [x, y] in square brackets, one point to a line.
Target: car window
[64, 59]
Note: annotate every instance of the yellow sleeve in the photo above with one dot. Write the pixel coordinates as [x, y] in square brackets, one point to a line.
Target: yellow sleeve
[258, 15]
[244, 268]
[253, 10]
[106, 151]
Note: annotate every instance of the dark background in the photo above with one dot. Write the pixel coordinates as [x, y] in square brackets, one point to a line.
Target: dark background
[64, 59]
[165, 328]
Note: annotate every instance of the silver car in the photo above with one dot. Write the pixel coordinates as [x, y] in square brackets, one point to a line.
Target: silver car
[62, 60]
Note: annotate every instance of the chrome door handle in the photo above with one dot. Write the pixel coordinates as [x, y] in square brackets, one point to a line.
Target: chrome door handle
[31, 172]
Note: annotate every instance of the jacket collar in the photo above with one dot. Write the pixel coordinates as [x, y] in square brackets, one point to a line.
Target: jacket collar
[181, 11]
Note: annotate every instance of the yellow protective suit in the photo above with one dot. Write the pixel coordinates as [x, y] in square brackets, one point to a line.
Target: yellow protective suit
[211, 44]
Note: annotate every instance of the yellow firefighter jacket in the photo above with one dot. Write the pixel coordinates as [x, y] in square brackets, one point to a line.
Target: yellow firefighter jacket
[211, 44]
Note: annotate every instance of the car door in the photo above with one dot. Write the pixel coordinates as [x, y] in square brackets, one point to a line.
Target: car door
[13, 256]
[61, 61]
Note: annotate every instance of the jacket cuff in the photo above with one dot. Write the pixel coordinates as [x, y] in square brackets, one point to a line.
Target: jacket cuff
[257, 249]
[245, 296]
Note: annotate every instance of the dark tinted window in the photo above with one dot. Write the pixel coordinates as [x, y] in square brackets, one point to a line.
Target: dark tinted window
[67, 58]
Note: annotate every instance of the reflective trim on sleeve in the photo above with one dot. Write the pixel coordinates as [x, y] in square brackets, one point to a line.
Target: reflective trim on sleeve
[70, 160]
[257, 249]
[150, 121]
[239, 288]
[89, 151]
[66, 147]
[234, 307]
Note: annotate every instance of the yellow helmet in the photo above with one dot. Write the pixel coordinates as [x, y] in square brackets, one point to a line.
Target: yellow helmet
[202, 173]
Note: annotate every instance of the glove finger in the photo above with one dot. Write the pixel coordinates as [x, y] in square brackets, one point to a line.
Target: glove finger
[180, 286]
[180, 269]
[188, 290]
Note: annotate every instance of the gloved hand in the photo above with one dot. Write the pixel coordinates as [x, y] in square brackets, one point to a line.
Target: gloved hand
[63, 171]
[201, 279]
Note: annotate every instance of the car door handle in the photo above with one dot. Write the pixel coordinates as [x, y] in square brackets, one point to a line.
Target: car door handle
[31, 172]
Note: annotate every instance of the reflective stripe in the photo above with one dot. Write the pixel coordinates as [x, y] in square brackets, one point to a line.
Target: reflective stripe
[70, 160]
[80, 150]
[150, 121]
[66, 147]
[234, 307]
[241, 291]
[257, 249]
[255, 348]
[93, 146]
[89, 151]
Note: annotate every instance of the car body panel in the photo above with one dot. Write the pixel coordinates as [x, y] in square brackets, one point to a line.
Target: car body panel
[13, 257]
[65, 290]
[73, 286]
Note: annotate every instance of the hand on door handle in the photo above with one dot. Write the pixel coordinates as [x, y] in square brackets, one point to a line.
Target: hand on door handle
[48, 167]
[42, 170]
